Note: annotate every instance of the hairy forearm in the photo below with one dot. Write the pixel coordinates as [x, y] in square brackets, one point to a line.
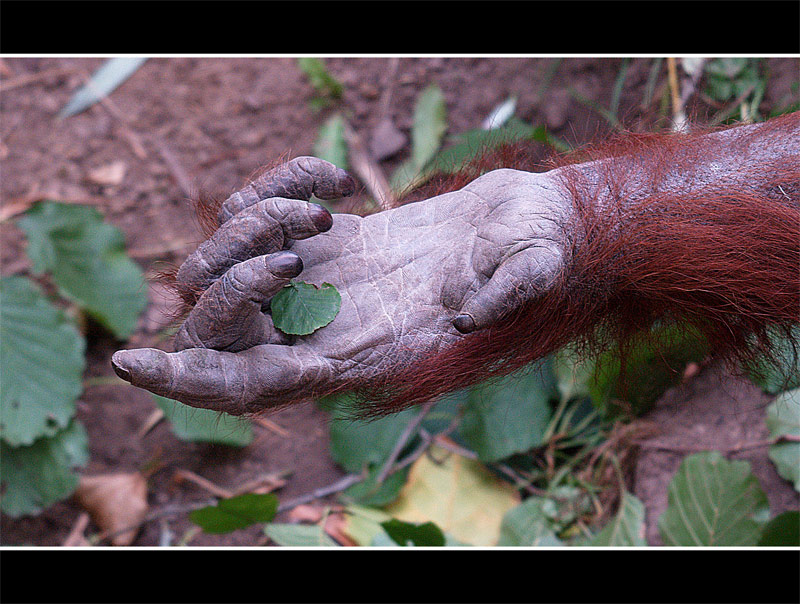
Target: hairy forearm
[635, 171]
[709, 224]
[700, 231]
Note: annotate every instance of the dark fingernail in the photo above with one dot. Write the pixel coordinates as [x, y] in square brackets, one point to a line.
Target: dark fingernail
[348, 184]
[321, 217]
[123, 373]
[464, 323]
[285, 265]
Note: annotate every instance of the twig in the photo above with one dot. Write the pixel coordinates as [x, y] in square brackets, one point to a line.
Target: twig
[410, 428]
[724, 113]
[340, 485]
[151, 422]
[682, 93]
[203, 483]
[167, 510]
[520, 480]
[32, 78]
[427, 439]
[273, 481]
[76, 536]
[674, 89]
[271, 426]
[175, 167]
[734, 449]
[367, 170]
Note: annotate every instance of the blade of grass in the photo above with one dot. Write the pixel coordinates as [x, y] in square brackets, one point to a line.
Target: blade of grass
[103, 82]
[619, 84]
[652, 78]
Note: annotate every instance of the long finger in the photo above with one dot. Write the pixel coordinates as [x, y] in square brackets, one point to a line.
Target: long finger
[299, 178]
[263, 228]
[252, 381]
[228, 315]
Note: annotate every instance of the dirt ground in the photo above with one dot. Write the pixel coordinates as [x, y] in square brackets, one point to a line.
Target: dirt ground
[181, 124]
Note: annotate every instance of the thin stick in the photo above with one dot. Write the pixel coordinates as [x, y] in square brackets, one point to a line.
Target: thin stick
[367, 170]
[203, 483]
[674, 88]
[734, 449]
[410, 428]
[340, 485]
[32, 78]
[271, 426]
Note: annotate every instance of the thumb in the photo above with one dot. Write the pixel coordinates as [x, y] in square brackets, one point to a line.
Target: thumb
[523, 277]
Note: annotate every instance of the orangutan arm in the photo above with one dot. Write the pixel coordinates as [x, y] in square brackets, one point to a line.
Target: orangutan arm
[440, 293]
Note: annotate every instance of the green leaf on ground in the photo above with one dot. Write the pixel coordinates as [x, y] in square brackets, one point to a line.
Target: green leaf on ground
[727, 78]
[626, 528]
[713, 502]
[36, 476]
[783, 419]
[356, 444]
[427, 132]
[319, 76]
[430, 124]
[87, 260]
[424, 534]
[205, 425]
[369, 492]
[473, 144]
[331, 144]
[784, 372]
[236, 512]
[782, 531]
[509, 415]
[42, 360]
[302, 308]
[299, 535]
[530, 524]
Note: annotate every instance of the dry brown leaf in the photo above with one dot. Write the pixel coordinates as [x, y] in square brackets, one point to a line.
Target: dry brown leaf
[306, 513]
[336, 528]
[117, 504]
[110, 174]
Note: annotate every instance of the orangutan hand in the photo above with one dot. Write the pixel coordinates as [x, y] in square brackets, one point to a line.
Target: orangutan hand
[413, 280]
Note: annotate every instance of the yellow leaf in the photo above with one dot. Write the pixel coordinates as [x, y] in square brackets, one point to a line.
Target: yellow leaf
[458, 494]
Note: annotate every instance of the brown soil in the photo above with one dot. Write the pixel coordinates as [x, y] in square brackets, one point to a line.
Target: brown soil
[181, 124]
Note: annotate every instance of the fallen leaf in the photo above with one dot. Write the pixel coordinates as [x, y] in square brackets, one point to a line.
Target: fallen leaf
[336, 528]
[457, 494]
[110, 174]
[117, 504]
[306, 513]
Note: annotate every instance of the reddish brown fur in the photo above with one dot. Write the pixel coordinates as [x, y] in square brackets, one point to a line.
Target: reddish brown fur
[721, 262]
